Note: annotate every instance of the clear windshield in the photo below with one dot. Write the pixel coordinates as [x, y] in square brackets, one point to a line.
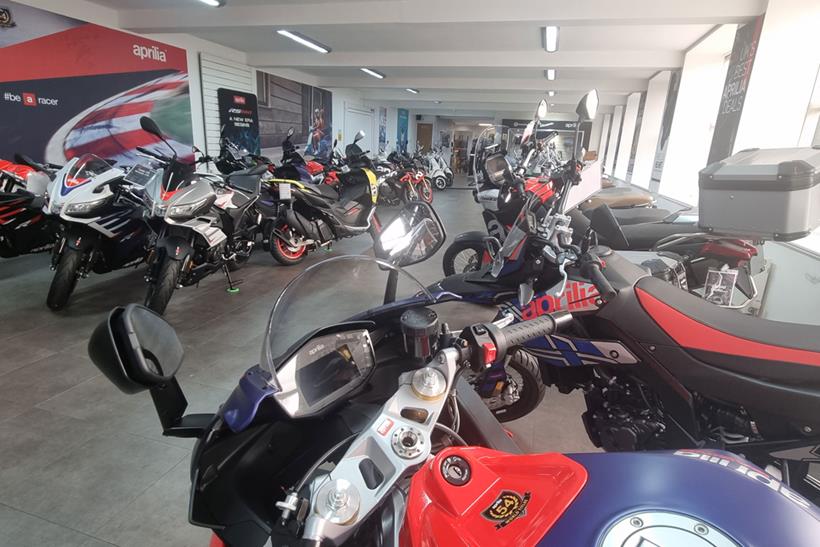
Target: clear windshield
[86, 168]
[331, 292]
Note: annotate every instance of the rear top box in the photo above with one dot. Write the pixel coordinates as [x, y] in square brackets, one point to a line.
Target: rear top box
[759, 194]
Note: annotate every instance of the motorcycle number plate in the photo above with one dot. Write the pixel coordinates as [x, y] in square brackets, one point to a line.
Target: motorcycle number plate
[284, 191]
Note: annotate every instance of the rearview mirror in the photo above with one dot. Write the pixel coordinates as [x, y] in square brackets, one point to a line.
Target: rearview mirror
[542, 110]
[359, 136]
[588, 107]
[414, 235]
[150, 126]
[136, 349]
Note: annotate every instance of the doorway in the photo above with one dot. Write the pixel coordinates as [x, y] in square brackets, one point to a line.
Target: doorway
[424, 136]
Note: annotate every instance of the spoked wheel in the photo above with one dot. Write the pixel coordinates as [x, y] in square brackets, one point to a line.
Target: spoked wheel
[523, 390]
[462, 257]
[440, 183]
[285, 252]
[410, 193]
[426, 191]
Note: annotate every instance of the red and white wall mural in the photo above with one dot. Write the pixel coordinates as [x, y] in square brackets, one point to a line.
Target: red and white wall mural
[68, 87]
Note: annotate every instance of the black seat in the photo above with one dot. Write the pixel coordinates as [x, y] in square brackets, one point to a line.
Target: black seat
[323, 189]
[729, 340]
[642, 237]
[639, 215]
[247, 180]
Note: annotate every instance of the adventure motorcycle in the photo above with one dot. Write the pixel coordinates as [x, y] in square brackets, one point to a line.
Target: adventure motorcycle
[204, 223]
[24, 229]
[660, 368]
[102, 225]
[338, 439]
[315, 215]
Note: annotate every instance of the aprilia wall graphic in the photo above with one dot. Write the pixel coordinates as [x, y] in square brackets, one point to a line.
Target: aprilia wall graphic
[68, 87]
[239, 119]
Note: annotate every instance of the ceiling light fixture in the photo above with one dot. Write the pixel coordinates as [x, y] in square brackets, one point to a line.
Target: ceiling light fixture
[214, 3]
[411, 90]
[551, 39]
[550, 74]
[373, 73]
[437, 102]
[485, 125]
[552, 105]
[304, 40]
[551, 93]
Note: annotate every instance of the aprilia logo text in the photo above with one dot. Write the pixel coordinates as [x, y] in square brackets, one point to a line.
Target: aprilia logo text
[153, 53]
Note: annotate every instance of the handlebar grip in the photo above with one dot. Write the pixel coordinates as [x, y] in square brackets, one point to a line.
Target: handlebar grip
[605, 288]
[519, 334]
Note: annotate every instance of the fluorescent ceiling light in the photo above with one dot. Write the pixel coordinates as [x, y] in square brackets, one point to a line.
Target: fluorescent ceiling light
[550, 74]
[214, 3]
[437, 102]
[551, 93]
[485, 125]
[304, 40]
[411, 90]
[373, 73]
[551, 38]
[552, 105]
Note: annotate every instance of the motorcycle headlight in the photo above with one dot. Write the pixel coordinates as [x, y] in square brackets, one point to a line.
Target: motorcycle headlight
[187, 209]
[85, 207]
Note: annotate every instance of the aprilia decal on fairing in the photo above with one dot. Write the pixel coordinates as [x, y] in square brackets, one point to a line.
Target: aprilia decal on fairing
[577, 296]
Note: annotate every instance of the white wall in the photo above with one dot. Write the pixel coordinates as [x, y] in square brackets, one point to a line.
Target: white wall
[627, 135]
[614, 134]
[650, 129]
[595, 136]
[783, 76]
[702, 79]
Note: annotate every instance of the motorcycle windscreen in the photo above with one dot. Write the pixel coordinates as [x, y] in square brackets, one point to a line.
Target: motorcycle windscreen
[516, 238]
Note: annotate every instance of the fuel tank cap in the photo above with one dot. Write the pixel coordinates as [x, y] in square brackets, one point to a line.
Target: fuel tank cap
[664, 529]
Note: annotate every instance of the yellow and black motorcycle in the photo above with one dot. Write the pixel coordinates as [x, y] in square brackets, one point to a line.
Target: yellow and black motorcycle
[309, 216]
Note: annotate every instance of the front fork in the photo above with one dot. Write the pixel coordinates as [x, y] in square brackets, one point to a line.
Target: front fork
[89, 256]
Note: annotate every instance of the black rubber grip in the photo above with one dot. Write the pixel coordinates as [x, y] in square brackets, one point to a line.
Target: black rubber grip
[601, 283]
[150, 153]
[519, 334]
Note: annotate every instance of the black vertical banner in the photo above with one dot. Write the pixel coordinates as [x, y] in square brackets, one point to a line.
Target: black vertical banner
[239, 118]
[734, 90]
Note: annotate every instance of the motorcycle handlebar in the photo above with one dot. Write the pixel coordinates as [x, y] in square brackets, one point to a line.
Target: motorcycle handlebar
[151, 153]
[592, 270]
[518, 334]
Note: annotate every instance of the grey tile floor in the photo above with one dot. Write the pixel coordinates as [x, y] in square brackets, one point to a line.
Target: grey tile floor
[84, 465]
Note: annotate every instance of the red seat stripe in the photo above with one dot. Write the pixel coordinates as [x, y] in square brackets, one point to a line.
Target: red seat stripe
[692, 334]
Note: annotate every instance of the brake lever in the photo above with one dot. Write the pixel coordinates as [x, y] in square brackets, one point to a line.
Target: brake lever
[565, 277]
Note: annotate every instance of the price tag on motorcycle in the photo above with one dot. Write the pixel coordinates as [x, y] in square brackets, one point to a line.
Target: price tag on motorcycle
[284, 191]
[140, 174]
[720, 286]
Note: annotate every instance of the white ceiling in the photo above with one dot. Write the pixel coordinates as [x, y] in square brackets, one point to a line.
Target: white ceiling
[470, 55]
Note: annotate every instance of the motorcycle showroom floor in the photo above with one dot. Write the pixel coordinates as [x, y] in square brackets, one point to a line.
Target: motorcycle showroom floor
[82, 464]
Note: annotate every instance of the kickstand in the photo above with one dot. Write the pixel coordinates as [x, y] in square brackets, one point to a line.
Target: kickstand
[232, 285]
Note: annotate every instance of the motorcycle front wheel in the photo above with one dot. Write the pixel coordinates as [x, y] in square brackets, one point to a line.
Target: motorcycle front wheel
[462, 257]
[162, 289]
[523, 390]
[65, 279]
[285, 253]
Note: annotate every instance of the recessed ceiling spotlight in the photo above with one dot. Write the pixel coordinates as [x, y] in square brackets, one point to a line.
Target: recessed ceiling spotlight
[550, 74]
[304, 40]
[551, 93]
[214, 3]
[373, 73]
[411, 90]
[551, 39]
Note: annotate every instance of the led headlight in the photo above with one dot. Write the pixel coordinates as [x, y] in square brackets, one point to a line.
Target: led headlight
[187, 209]
[84, 207]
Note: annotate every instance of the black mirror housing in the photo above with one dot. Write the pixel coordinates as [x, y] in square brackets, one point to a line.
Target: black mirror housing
[150, 126]
[136, 349]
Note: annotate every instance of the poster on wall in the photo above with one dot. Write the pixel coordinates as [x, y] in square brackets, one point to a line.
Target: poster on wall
[239, 119]
[68, 88]
[734, 89]
[402, 129]
[666, 128]
[382, 128]
[283, 104]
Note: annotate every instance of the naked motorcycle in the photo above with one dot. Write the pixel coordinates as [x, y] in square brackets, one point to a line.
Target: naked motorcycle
[337, 438]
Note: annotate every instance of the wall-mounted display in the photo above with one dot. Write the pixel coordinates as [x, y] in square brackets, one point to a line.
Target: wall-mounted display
[402, 131]
[308, 110]
[382, 128]
[239, 119]
[87, 89]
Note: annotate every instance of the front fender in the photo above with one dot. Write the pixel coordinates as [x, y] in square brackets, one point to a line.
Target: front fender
[473, 236]
[80, 237]
[174, 247]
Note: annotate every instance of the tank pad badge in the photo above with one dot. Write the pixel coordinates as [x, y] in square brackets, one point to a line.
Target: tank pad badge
[507, 507]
